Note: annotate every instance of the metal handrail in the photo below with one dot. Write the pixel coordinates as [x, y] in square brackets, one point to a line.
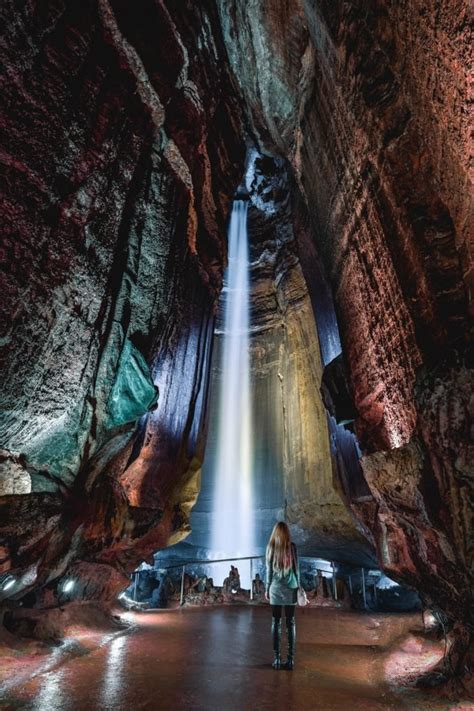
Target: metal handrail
[210, 561]
[206, 561]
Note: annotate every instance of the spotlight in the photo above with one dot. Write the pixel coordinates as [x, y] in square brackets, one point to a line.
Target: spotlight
[9, 584]
[385, 583]
[68, 586]
[127, 601]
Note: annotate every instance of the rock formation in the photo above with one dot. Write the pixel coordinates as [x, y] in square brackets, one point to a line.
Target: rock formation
[123, 140]
[121, 147]
[369, 103]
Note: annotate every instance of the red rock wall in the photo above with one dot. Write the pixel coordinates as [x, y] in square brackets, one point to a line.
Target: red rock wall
[384, 169]
[121, 146]
[376, 129]
[392, 217]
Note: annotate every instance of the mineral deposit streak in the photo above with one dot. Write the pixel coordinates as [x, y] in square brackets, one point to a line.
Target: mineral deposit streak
[232, 524]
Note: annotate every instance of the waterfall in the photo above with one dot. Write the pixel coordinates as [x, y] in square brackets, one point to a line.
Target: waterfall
[232, 521]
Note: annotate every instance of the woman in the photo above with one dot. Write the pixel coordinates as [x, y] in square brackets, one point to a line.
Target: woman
[283, 580]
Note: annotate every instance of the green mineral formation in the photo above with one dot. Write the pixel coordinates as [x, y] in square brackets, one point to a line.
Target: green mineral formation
[134, 392]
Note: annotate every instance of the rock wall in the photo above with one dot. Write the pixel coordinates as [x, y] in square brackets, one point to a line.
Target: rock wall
[383, 168]
[294, 459]
[369, 102]
[121, 145]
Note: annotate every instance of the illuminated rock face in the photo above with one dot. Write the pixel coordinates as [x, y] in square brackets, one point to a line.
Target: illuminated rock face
[388, 204]
[294, 465]
[369, 103]
[121, 148]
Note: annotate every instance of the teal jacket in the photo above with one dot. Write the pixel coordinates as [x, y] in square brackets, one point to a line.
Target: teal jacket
[282, 581]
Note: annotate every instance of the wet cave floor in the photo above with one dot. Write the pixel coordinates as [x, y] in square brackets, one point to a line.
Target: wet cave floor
[219, 658]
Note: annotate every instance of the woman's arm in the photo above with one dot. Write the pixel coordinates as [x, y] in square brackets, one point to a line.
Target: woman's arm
[269, 574]
[296, 564]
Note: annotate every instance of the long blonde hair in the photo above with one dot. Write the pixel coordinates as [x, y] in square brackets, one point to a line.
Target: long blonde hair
[279, 548]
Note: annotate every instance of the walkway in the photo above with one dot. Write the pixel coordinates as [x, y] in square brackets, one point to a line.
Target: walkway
[218, 658]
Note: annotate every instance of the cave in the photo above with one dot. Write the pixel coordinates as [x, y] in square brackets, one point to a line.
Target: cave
[137, 141]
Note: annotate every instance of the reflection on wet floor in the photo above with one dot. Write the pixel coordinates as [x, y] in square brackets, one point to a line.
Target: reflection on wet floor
[51, 694]
[220, 659]
[114, 669]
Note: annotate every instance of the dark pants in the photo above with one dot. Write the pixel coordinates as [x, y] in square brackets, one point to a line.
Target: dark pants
[289, 611]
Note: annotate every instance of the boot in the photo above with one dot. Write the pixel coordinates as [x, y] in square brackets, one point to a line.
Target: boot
[276, 636]
[291, 634]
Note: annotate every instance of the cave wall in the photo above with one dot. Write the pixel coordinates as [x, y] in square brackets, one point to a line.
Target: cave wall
[383, 167]
[290, 421]
[369, 103]
[121, 145]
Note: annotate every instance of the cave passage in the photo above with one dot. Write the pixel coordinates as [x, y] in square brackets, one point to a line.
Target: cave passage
[235, 289]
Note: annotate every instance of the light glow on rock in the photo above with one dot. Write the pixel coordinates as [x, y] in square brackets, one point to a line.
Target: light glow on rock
[385, 583]
[68, 586]
[9, 584]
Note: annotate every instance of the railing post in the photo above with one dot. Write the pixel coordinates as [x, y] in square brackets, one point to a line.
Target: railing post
[251, 582]
[181, 597]
[375, 593]
[363, 589]
[334, 584]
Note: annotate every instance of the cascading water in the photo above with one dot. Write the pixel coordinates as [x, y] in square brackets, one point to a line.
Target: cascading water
[232, 522]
